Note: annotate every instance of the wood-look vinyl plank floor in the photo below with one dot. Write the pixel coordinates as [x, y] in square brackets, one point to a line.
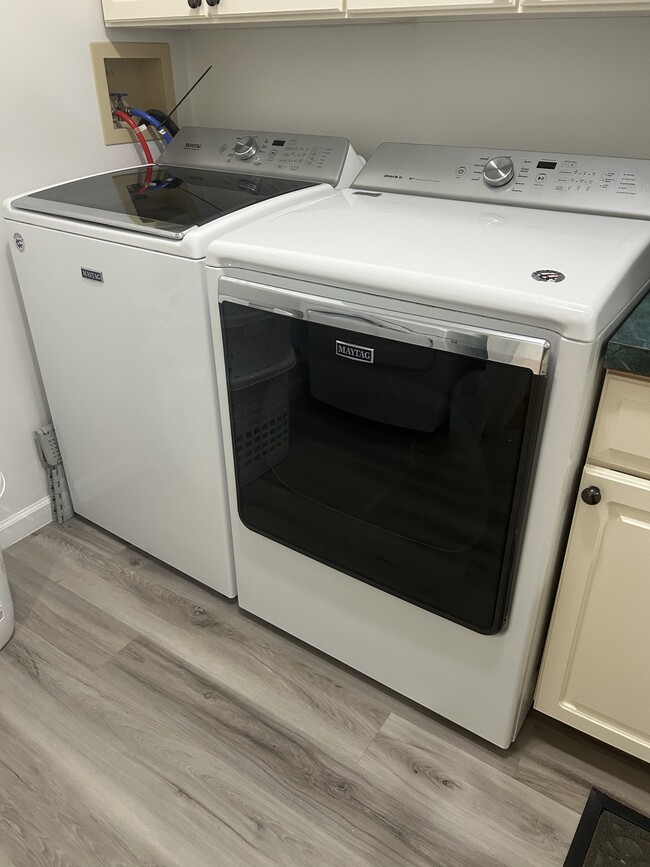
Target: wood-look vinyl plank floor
[37, 796]
[197, 624]
[146, 721]
[511, 824]
[65, 619]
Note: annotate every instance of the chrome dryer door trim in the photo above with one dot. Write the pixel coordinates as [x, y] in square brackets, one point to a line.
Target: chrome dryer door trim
[484, 343]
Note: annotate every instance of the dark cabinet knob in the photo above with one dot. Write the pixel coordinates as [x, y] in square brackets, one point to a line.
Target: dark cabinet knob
[591, 495]
[213, 2]
[194, 4]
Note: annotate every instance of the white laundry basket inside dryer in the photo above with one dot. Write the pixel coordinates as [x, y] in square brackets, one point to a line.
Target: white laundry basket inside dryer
[6, 605]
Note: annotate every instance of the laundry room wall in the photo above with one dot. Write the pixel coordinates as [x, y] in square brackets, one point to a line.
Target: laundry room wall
[50, 133]
[569, 84]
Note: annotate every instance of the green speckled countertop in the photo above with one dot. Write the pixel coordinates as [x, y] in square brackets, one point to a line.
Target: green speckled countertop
[629, 348]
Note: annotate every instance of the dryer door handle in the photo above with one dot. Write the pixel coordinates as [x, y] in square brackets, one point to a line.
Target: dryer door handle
[421, 330]
[457, 339]
[375, 325]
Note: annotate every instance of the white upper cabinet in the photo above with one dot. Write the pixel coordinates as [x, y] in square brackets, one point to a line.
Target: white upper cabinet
[595, 5]
[417, 7]
[153, 11]
[188, 11]
[268, 9]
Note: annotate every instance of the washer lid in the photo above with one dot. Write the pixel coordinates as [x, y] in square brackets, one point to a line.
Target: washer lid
[458, 255]
[165, 201]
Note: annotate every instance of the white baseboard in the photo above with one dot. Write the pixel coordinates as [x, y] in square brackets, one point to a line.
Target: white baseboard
[16, 527]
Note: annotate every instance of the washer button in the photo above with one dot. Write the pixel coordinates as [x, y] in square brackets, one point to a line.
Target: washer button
[541, 177]
[460, 171]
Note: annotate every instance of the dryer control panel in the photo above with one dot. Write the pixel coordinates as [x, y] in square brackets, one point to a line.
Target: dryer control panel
[267, 154]
[562, 182]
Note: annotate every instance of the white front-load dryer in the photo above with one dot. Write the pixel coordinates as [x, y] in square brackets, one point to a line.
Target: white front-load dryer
[407, 440]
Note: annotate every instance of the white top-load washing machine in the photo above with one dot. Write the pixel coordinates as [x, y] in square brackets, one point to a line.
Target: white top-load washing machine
[408, 436]
[111, 269]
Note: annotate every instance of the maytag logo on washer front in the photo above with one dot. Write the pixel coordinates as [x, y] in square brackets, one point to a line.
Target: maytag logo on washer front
[354, 352]
[193, 145]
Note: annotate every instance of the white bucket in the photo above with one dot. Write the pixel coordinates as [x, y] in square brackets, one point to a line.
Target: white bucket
[6, 605]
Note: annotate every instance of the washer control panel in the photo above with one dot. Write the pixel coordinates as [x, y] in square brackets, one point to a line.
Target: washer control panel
[266, 154]
[565, 182]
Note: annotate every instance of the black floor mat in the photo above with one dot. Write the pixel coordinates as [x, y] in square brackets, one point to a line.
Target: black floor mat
[610, 835]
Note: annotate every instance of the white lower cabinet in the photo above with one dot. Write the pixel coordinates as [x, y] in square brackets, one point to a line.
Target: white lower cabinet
[595, 672]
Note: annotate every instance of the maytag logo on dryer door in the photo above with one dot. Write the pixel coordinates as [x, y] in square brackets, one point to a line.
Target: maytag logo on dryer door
[97, 276]
[354, 352]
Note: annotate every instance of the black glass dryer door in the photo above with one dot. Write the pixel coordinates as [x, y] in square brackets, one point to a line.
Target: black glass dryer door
[401, 465]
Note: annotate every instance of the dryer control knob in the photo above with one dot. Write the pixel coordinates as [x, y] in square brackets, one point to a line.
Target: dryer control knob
[498, 171]
[246, 147]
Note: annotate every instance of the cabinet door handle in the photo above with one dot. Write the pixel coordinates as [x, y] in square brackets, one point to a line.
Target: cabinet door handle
[591, 495]
[194, 4]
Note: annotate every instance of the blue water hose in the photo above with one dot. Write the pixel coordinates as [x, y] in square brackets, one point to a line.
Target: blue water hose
[150, 119]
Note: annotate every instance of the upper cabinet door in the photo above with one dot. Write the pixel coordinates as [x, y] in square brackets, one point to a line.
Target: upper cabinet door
[567, 5]
[271, 8]
[118, 11]
[413, 7]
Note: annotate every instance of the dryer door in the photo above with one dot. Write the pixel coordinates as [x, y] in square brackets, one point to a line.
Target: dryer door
[394, 449]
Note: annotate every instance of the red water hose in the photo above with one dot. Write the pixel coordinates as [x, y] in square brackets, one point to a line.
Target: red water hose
[136, 129]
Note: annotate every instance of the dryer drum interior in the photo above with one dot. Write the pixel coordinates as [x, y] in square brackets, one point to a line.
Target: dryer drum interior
[402, 465]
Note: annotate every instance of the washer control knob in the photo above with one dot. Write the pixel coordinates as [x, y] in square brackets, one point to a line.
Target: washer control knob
[498, 171]
[245, 147]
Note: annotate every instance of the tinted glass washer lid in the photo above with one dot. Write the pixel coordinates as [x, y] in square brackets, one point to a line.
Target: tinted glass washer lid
[202, 174]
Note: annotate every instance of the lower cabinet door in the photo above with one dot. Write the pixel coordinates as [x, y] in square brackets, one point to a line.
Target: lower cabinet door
[595, 672]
